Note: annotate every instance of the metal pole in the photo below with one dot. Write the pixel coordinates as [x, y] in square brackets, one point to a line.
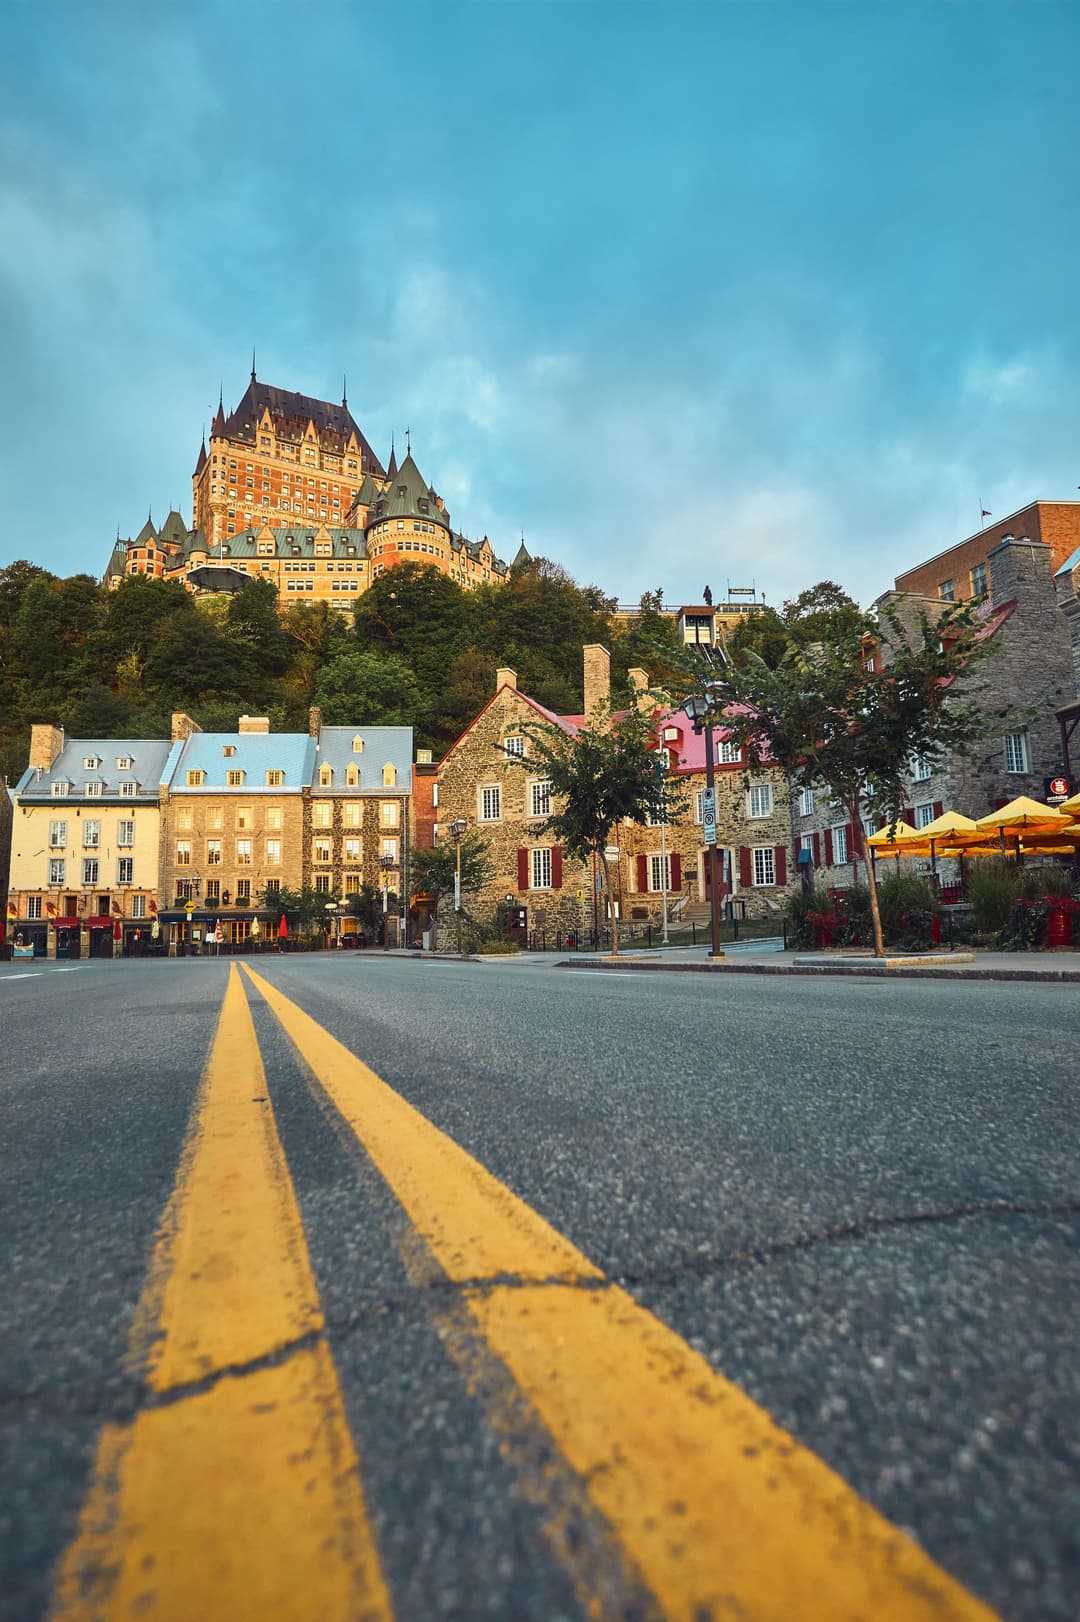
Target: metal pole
[457, 898]
[710, 850]
[663, 857]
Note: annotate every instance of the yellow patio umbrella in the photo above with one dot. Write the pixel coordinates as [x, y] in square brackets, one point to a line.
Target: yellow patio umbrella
[1025, 813]
[901, 844]
[949, 822]
[1072, 805]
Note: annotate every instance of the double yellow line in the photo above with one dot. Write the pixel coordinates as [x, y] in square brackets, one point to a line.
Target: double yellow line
[236, 1491]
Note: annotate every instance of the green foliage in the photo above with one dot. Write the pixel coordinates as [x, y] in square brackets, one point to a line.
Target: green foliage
[368, 687]
[907, 902]
[1044, 879]
[431, 872]
[992, 888]
[304, 909]
[801, 909]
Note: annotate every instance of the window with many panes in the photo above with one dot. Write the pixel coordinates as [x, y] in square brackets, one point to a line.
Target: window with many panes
[243, 889]
[351, 813]
[322, 883]
[234, 778]
[540, 869]
[57, 834]
[540, 799]
[806, 802]
[213, 853]
[352, 850]
[759, 800]
[322, 814]
[730, 753]
[90, 870]
[839, 845]
[213, 889]
[127, 789]
[91, 833]
[514, 744]
[125, 869]
[59, 790]
[57, 869]
[183, 853]
[920, 768]
[764, 865]
[138, 906]
[1017, 755]
[125, 832]
[94, 791]
[320, 850]
[243, 853]
[33, 906]
[978, 580]
[388, 814]
[275, 779]
[946, 591]
[659, 872]
[389, 848]
[924, 814]
[490, 803]
[273, 853]
[215, 818]
[196, 779]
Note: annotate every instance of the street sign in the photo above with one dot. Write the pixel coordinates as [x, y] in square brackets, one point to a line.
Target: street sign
[580, 894]
[189, 906]
[708, 816]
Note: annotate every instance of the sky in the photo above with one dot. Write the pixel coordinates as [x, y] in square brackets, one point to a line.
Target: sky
[734, 292]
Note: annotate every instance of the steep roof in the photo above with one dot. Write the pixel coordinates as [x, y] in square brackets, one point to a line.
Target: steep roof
[290, 413]
[383, 746]
[409, 496]
[201, 462]
[254, 754]
[522, 556]
[117, 564]
[174, 531]
[148, 754]
[291, 540]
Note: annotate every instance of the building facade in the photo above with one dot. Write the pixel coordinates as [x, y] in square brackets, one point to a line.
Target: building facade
[84, 875]
[965, 570]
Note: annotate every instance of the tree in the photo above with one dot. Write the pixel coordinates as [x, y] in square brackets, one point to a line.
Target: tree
[829, 714]
[601, 775]
[365, 685]
[303, 909]
[432, 872]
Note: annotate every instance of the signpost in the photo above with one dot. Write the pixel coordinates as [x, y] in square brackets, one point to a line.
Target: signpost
[708, 816]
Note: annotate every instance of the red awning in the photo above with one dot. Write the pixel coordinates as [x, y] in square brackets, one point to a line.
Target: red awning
[65, 923]
[100, 920]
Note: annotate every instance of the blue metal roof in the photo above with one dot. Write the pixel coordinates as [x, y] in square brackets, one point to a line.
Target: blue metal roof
[382, 746]
[148, 757]
[253, 753]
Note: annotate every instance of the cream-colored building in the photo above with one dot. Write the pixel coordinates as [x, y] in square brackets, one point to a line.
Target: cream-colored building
[83, 879]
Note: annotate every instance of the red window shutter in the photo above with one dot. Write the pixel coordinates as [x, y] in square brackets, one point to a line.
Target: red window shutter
[938, 809]
[817, 850]
[643, 872]
[676, 872]
[854, 841]
[909, 815]
[556, 867]
[828, 847]
[781, 864]
[746, 867]
[523, 869]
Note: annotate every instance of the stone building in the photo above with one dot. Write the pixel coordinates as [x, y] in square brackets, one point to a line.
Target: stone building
[360, 817]
[1020, 686]
[83, 877]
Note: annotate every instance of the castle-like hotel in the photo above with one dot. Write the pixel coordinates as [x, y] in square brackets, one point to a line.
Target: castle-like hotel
[289, 490]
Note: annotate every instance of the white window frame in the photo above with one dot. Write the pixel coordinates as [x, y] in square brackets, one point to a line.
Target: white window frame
[759, 790]
[90, 870]
[138, 906]
[91, 833]
[94, 791]
[924, 813]
[125, 833]
[540, 797]
[514, 744]
[840, 854]
[540, 868]
[729, 753]
[764, 866]
[125, 870]
[57, 870]
[489, 803]
[1017, 753]
[658, 867]
[921, 769]
[806, 802]
[58, 834]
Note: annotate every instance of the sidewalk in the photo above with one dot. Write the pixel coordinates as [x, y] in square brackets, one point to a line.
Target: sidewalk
[745, 959]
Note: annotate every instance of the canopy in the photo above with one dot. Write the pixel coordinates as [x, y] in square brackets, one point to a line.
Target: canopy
[898, 831]
[949, 822]
[283, 928]
[1024, 813]
[1072, 805]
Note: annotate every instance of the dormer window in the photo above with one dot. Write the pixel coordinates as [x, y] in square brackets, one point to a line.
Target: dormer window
[228, 750]
[124, 763]
[91, 763]
[95, 790]
[389, 775]
[60, 789]
[352, 775]
[234, 779]
[127, 788]
[358, 745]
[274, 779]
[326, 775]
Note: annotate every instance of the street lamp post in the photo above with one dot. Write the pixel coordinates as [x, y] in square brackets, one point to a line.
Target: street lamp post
[699, 709]
[333, 919]
[457, 834]
[386, 863]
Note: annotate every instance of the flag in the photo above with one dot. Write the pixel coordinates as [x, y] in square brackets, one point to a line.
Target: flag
[985, 514]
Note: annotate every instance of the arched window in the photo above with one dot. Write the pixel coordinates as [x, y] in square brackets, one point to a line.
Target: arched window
[358, 745]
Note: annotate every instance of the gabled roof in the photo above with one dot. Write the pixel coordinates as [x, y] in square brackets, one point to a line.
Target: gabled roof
[149, 756]
[290, 413]
[382, 746]
[292, 540]
[565, 723]
[254, 754]
[409, 496]
[147, 533]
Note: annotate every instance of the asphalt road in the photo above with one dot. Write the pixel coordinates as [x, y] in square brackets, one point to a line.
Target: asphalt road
[857, 1202]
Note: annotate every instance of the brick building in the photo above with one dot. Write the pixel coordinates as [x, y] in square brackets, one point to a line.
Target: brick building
[965, 570]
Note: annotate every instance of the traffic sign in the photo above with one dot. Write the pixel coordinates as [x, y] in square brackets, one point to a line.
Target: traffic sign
[708, 816]
[189, 906]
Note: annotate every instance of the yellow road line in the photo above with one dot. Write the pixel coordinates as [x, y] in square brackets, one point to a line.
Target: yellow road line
[725, 1514]
[241, 1498]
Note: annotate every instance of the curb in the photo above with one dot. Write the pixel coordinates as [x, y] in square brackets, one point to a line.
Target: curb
[826, 970]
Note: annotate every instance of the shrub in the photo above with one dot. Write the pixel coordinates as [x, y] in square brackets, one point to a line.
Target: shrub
[1047, 879]
[907, 903]
[803, 912]
[992, 888]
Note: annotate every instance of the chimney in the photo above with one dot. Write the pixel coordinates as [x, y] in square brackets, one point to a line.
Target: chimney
[183, 726]
[643, 699]
[597, 678]
[505, 677]
[1021, 568]
[253, 723]
[46, 742]
[314, 722]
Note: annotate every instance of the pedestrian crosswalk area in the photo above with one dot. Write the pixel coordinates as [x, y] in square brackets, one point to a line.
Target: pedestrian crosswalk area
[249, 1484]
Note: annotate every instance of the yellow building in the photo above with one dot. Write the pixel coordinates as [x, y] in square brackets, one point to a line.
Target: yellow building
[83, 879]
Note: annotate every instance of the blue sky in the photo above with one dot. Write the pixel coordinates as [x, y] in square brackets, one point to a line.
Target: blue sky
[687, 292]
